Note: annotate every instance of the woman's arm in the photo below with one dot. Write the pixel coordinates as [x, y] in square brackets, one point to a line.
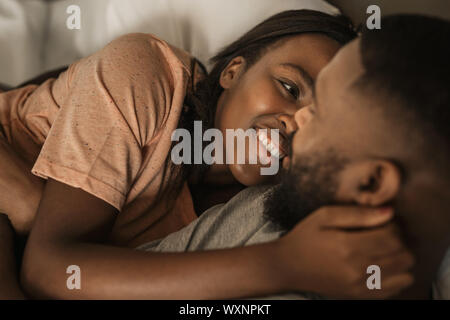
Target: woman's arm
[9, 281]
[71, 229]
[20, 190]
[319, 255]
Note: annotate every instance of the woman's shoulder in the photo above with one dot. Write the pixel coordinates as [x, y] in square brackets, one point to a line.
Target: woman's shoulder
[145, 50]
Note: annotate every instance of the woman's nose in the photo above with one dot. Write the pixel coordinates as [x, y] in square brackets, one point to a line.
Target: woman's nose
[288, 122]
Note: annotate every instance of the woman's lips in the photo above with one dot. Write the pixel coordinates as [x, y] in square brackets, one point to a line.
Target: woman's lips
[275, 148]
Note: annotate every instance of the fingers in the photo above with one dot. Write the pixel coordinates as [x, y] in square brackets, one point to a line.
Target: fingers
[353, 217]
[399, 262]
[397, 283]
[390, 286]
[395, 275]
[382, 241]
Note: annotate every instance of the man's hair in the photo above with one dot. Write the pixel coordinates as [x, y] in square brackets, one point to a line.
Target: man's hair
[407, 63]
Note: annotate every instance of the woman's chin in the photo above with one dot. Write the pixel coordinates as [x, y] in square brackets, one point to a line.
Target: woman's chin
[250, 174]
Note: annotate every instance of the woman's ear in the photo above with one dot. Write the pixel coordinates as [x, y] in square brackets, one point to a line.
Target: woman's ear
[232, 71]
[370, 183]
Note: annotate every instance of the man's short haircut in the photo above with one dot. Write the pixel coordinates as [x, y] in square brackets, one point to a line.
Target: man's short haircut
[407, 64]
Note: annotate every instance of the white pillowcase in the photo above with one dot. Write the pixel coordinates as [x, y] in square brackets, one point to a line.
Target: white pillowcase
[35, 38]
[22, 25]
[201, 27]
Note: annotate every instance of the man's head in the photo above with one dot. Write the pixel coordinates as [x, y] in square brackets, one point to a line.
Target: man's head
[378, 130]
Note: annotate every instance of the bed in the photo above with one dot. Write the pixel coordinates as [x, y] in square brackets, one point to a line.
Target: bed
[35, 38]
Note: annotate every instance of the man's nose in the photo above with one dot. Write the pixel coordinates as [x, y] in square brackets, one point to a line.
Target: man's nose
[301, 117]
[288, 122]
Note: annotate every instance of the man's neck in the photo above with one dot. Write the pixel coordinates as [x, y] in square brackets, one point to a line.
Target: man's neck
[424, 217]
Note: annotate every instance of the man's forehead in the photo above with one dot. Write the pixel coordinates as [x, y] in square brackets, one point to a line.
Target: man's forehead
[345, 67]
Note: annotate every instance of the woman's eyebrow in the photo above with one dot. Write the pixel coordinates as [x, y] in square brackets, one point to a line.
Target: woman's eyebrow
[303, 73]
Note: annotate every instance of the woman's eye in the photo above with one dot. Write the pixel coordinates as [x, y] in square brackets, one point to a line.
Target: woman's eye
[291, 89]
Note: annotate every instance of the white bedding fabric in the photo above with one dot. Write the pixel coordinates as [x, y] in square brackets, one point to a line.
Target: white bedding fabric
[21, 39]
[35, 38]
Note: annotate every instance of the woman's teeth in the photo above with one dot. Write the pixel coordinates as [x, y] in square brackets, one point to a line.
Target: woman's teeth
[269, 145]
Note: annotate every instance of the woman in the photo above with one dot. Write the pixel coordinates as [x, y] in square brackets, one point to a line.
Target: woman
[101, 135]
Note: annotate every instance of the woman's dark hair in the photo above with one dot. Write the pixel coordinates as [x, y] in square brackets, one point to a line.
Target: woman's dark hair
[256, 42]
[201, 103]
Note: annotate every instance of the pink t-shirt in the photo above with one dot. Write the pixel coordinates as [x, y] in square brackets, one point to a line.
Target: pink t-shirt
[105, 126]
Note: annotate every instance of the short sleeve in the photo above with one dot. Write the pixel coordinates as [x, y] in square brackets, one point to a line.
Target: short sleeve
[116, 102]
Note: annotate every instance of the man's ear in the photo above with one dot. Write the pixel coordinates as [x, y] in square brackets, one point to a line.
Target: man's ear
[232, 71]
[370, 182]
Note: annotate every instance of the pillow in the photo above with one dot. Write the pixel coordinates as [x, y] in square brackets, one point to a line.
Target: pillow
[21, 41]
[35, 38]
[201, 27]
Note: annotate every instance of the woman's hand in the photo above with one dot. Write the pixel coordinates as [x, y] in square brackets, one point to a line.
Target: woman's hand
[20, 190]
[328, 253]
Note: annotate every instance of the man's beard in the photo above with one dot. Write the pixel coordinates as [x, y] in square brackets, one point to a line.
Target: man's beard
[309, 183]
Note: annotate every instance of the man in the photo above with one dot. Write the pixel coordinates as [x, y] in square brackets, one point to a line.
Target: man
[377, 135]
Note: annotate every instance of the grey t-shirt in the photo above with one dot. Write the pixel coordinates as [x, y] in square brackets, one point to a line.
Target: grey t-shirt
[239, 222]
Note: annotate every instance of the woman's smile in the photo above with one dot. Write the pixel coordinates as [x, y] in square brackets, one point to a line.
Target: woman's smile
[252, 99]
[275, 146]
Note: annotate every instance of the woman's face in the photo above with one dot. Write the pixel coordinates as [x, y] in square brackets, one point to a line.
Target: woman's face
[267, 95]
